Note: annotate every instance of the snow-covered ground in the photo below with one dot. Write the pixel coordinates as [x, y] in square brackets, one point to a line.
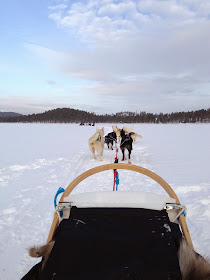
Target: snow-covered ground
[37, 159]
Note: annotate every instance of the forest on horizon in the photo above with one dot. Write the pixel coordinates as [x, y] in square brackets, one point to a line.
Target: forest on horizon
[68, 115]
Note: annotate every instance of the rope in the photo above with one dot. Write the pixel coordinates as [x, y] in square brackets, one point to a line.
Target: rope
[112, 138]
[59, 191]
[116, 158]
[181, 212]
[116, 175]
[117, 180]
[126, 139]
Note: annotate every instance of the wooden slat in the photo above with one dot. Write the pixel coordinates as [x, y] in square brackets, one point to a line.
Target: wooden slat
[131, 167]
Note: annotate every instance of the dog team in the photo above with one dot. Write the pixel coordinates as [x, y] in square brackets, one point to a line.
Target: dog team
[125, 137]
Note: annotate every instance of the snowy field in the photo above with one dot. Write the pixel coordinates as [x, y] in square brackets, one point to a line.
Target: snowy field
[37, 159]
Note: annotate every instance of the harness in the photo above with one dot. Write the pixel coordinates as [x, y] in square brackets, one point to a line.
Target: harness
[127, 138]
[112, 138]
[99, 138]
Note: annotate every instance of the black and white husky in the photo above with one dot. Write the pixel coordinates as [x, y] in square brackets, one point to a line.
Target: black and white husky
[126, 143]
[110, 139]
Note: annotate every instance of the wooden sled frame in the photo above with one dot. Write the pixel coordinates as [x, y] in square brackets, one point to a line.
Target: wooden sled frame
[131, 167]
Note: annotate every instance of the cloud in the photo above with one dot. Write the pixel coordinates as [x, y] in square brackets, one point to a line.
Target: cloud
[125, 37]
[61, 6]
[51, 82]
[145, 50]
[99, 21]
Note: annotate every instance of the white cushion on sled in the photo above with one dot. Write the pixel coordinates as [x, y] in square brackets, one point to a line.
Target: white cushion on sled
[119, 199]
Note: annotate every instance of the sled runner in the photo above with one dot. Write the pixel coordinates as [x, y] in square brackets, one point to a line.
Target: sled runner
[114, 235]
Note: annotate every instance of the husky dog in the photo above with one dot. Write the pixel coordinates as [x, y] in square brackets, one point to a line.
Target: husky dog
[132, 134]
[126, 143]
[41, 251]
[192, 265]
[117, 131]
[127, 131]
[110, 138]
[125, 139]
[96, 143]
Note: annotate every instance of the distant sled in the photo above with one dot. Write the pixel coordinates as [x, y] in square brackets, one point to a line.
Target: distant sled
[114, 235]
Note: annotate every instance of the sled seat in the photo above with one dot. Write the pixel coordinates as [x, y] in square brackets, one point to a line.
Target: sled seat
[115, 244]
[118, 199]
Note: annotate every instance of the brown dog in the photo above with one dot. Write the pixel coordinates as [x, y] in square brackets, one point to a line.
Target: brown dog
[41, 251]
[192, 265]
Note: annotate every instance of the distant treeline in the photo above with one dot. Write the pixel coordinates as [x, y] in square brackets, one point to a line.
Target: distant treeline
[68, 115]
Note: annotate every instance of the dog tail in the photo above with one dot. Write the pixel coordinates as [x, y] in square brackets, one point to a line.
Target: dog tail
[136, 134]
[128, 130]
[192, 265]
[41, 251]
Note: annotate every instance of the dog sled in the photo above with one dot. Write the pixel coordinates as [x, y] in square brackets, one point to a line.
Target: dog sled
[114, 235]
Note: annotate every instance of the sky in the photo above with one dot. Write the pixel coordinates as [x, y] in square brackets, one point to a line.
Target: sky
[104, 56]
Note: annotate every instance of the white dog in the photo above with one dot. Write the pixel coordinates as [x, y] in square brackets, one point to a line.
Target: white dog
[96, 143]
